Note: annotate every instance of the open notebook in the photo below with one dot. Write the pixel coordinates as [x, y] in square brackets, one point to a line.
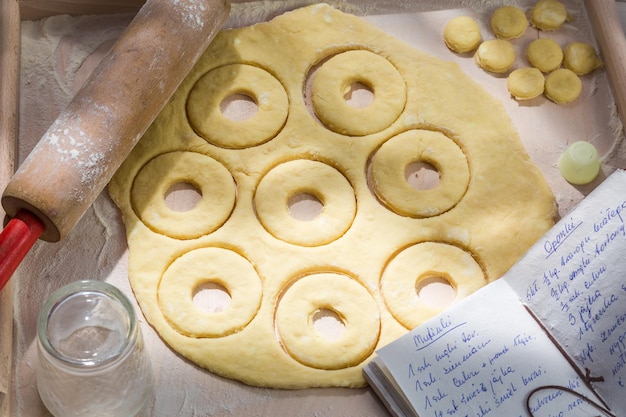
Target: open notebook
[548, 339]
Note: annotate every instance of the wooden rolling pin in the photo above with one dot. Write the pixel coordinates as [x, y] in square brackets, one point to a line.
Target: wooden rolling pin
[80, 152]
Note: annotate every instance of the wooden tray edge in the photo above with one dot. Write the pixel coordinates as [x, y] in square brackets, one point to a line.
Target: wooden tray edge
[9, 103]
[602, 14]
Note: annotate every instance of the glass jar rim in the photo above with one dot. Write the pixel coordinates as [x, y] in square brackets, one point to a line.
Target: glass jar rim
[72, 289]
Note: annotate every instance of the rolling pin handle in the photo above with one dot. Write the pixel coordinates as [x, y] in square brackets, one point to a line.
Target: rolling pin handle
[17, 238]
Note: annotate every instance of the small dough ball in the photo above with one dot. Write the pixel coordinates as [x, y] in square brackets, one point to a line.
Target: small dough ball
[508, 22]
[462, 34]
[544, 54]
[581, 58]
[526, 83]
[496, 55]
[548, 15]
[563, 86]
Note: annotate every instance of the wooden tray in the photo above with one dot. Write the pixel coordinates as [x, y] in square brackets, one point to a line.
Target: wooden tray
[607, 30]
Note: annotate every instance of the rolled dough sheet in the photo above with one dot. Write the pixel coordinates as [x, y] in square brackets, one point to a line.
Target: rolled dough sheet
[57, 54]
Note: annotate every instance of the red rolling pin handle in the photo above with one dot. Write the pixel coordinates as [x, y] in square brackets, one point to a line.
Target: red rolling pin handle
[19, 235]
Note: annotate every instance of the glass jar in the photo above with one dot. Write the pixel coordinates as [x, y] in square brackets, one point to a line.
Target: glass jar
[92, 359]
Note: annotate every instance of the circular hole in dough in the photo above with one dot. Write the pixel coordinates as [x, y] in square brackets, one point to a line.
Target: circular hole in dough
[435, 291]
[305, 206]
[563, 86]
[426, 263]
[544, 54]
[415, 148]
[160, 175]
[462, 34]
[548, 15]
[508, 22]
[349, 300]
[359, 95]
[526, 83]
[328, 324]
[201, 269]
[182, 197]
[422, 176]
[211, 94]
[334, 79]
[289, 180]
[211, 297]
[581, 58]
[495, 55]
[239, 107]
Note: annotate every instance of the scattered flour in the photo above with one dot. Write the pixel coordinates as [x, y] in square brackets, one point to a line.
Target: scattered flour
[57, 54]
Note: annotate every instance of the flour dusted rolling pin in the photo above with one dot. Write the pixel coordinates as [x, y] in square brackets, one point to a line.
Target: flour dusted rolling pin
[78, 155]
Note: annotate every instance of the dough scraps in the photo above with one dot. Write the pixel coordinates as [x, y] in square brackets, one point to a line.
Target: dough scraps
[548, 15]
[544, 54]
[462, 34]
[508, 22]
[526, 83]
[563, 86]
[495, 55]
[581, 58]
[356, 260]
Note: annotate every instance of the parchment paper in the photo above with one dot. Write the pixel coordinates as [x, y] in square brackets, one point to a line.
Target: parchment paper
[57, 55]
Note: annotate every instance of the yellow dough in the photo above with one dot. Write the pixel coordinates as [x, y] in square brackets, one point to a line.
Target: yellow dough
[462, 34]
[508, 22]
[335, 78]
[581, 58]
[495, 55]
[355, 259]
[526, 83]
[563, 86]
[548, 15]
[544, 54]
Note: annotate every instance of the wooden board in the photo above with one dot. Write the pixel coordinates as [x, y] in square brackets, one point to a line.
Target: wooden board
[9, 55]
[200, 393]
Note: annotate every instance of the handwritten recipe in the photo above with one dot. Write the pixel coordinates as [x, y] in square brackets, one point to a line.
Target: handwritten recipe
[548, 339]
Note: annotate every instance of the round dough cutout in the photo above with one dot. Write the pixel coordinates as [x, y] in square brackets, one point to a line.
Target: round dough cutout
[404, 274]
[548, 15]
[213, 181]
[581, 58]
[544, 54]
[344, 296]
[526, 83]
[209, 265]
[508, 22]
[563, 86]
[462, 34]
[338, 74]
[204, 106]
[305, 177]
[495, 55]
[390, 162]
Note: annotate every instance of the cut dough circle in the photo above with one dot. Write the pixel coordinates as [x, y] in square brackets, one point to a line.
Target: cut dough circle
[389, 166]
[544, 54]
[526, 83]
[340, 294]
[563, 86]
[337, 75]
[548, 15]
[581, 58]
[213, 181]
[495, 55]
[462, 34]
[208, 94]
[508, 22]
[421, 261]
[314, 178]
[209, 265]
